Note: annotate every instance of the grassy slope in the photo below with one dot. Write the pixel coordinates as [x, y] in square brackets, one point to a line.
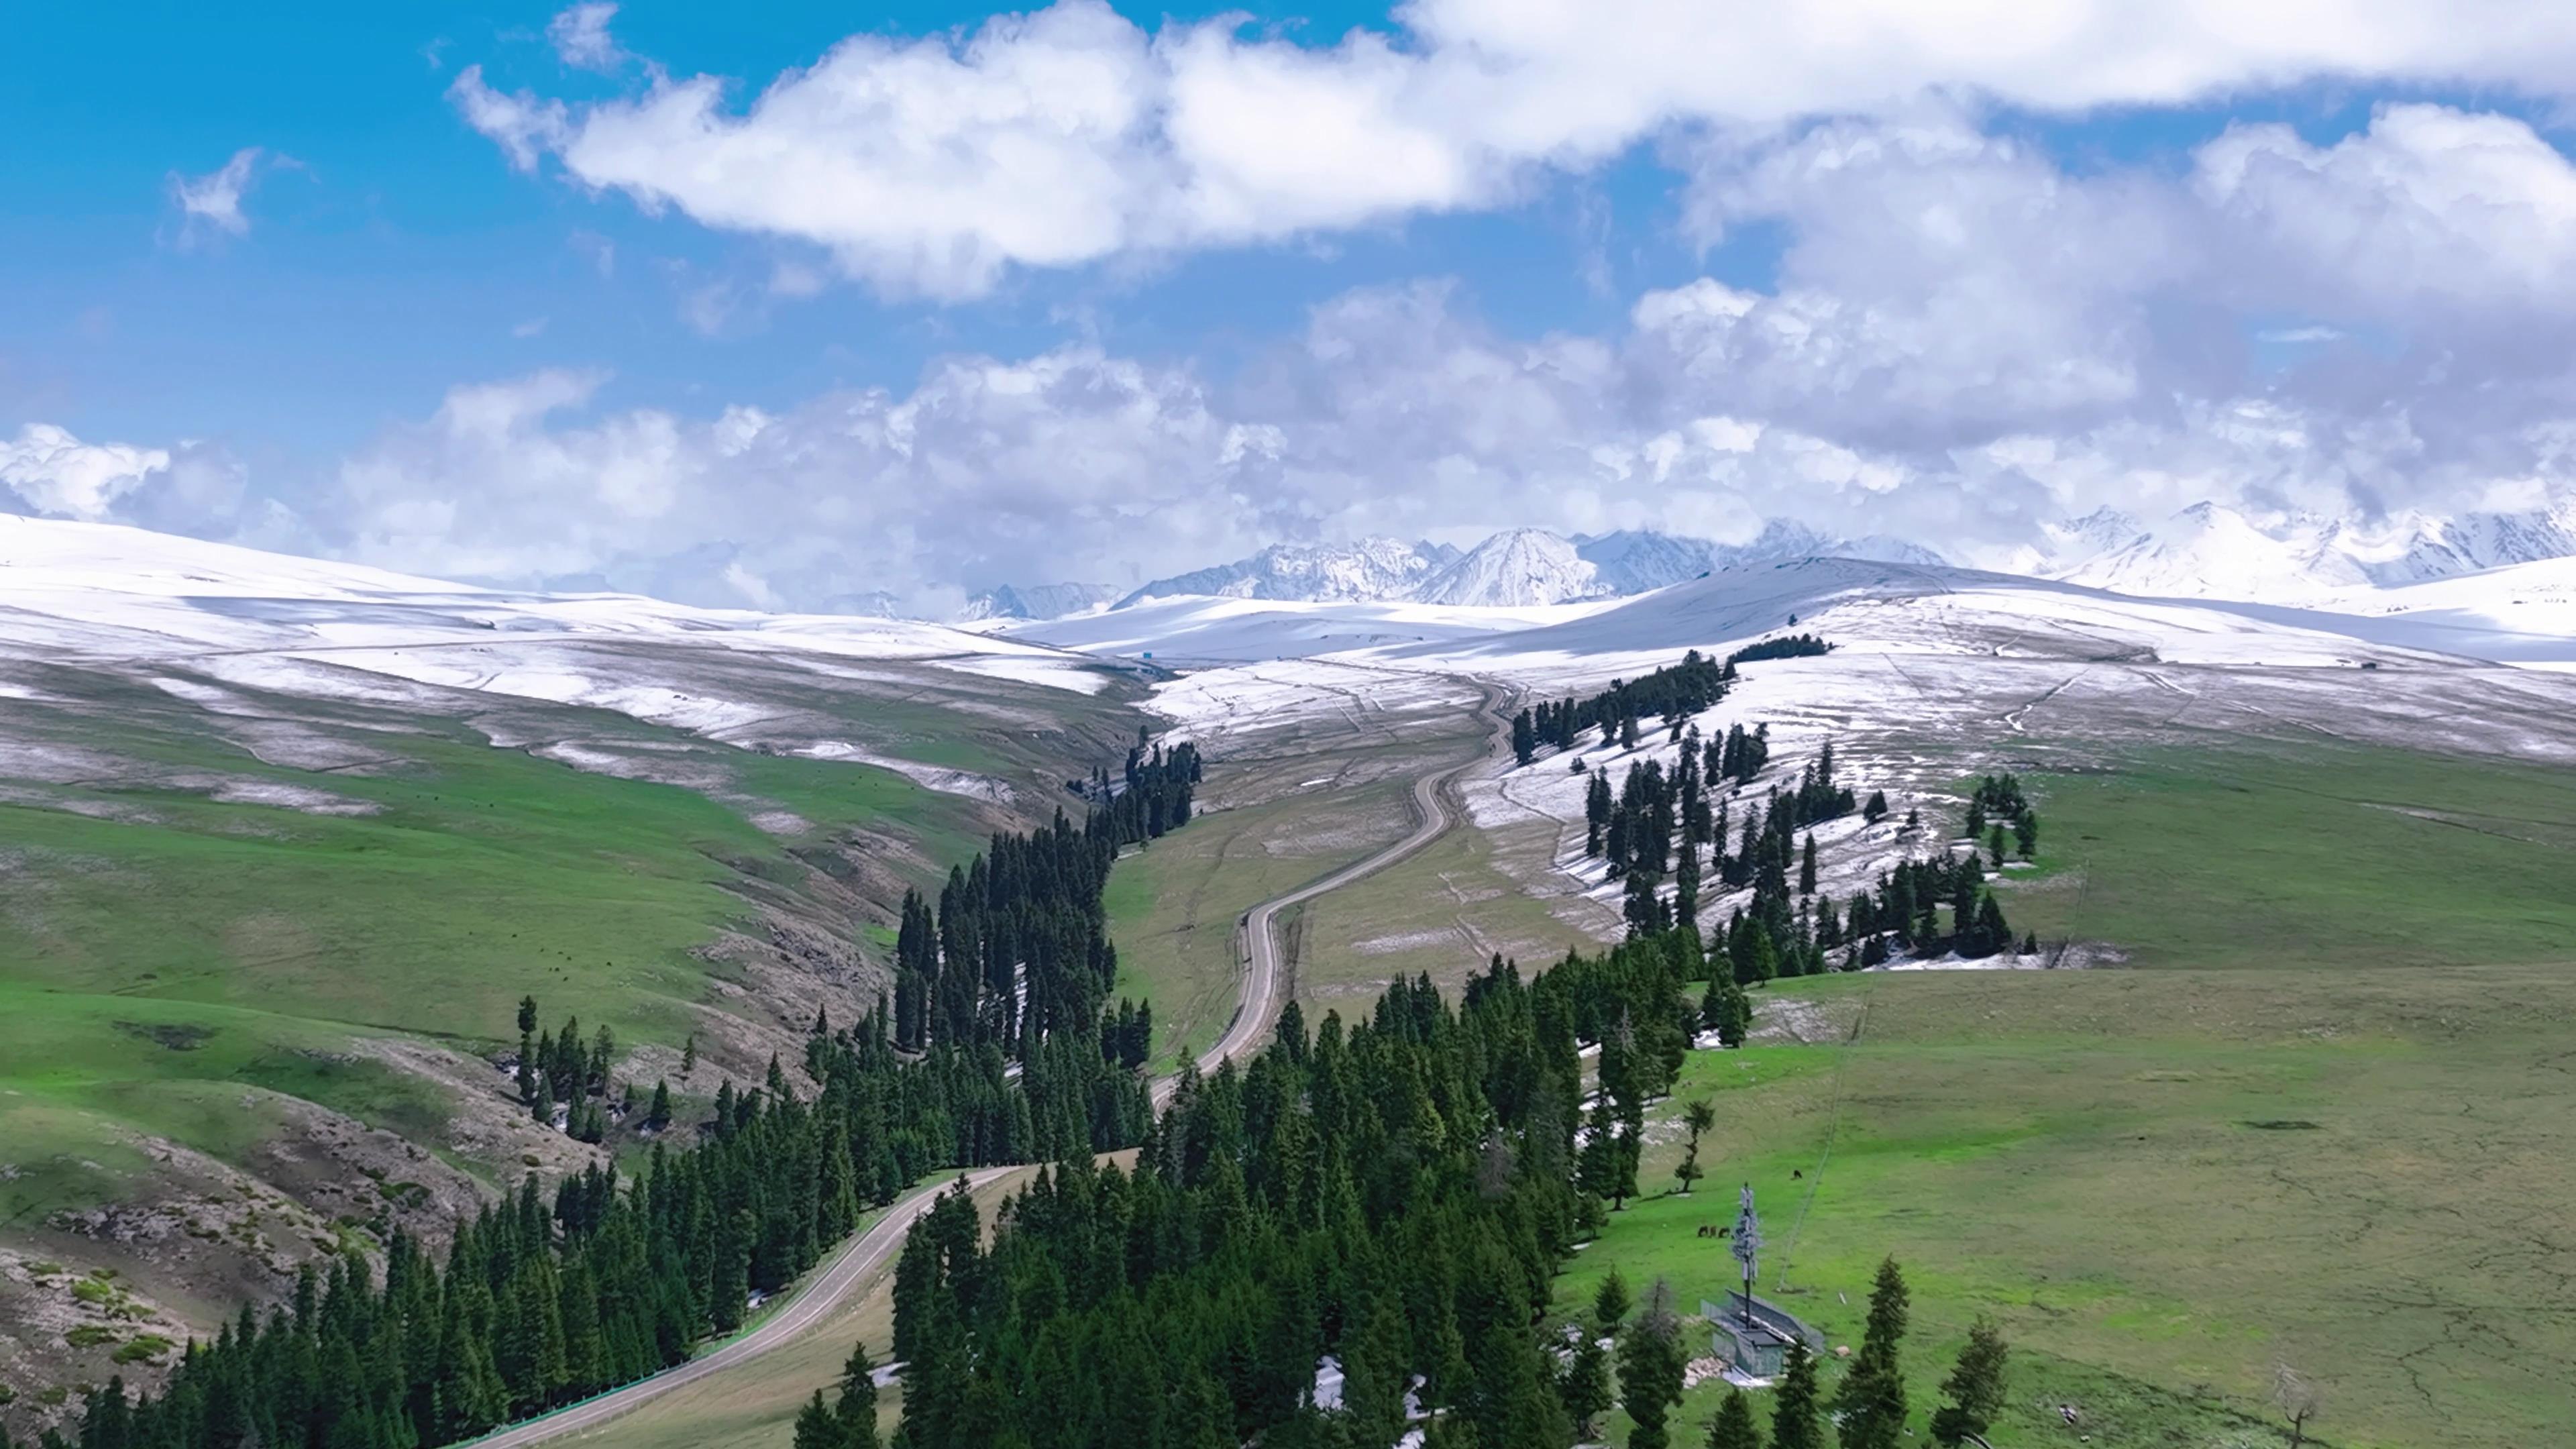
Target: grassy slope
[1173, 906]
[1442, 912]
[2077, 1155]
[158, 953]
[2320, 856]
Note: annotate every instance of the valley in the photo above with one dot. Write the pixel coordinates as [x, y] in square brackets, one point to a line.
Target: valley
[277, 974]
[1461, 724]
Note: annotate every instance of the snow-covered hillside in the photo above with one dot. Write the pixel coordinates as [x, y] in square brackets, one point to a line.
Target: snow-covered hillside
[2524, 614]
[222, 626]
[1198, 630]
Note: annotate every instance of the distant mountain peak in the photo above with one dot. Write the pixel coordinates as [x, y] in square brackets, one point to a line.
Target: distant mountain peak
[1037, 601]
[1516, 567]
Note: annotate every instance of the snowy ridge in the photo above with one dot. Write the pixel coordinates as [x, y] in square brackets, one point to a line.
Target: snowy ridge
[1198, 630]
[221, 625]
[1038, 601]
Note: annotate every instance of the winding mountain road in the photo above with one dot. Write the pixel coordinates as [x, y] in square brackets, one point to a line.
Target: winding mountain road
[1257, 941]
[1436, 808]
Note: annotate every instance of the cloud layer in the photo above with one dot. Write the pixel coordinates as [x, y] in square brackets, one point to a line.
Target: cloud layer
[1966, 341]
[934, 166]
[1966, 338]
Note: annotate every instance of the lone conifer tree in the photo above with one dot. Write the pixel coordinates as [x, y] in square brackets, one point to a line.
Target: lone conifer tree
[1793, 1417]
[1585, 1388]
[1975, 1388]
[1733, 1428]
[1610, 1304]
[1650, 1369]
[817, 1427]
[1871, 1401]
[1698, 1116]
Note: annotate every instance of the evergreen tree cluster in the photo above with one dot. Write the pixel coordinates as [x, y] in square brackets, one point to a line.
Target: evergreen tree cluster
[539, 1305]
[1786, 646]
[1740, 755]
[1157, 798]
[906, 1114]
[536, 1305]
[1998, 805]
[1671, 695]
[1396, 1193]
[1904, 915]
[560, 1068]
[1655, 827]
[1018, 947]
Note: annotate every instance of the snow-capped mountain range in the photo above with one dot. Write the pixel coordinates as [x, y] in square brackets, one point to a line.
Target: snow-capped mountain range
[2210, 551]
[1517, 567]
[2204, 551]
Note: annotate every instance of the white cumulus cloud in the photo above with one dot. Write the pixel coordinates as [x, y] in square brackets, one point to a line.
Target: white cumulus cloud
[53, 472]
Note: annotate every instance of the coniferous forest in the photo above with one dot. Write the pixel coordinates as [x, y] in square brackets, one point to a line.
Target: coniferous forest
[1389, 1198]
[1395, 1193]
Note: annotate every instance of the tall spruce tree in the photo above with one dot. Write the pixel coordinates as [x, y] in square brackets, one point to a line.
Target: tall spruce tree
[1871, 1400]
[818, 1427]
[1651, 1359]
[1793, 1413]
[1610, 1304]
[1585, 1387]
[1733, 1426]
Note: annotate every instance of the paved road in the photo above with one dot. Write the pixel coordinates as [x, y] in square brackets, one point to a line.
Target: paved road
[1436, 810]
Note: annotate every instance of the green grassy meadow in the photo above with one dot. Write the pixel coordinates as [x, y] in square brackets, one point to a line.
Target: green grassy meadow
[161, 948]
[2326, 1121]
[2259, 857]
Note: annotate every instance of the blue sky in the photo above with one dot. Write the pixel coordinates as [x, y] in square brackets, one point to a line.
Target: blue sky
[1929, 272]
[397, 255]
